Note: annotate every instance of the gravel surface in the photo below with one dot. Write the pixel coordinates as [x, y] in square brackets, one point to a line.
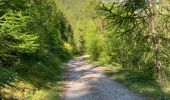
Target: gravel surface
[85, 82]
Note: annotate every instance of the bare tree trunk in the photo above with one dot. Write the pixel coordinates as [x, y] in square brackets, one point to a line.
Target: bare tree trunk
[155, 39]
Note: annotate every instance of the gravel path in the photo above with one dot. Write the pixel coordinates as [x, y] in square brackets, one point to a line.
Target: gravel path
[84, 82]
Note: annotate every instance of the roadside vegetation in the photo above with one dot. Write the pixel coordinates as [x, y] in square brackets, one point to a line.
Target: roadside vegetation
[35, 42]
[131, 37]
[37, 37]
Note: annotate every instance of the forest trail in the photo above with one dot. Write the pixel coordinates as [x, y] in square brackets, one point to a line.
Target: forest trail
[85, 82]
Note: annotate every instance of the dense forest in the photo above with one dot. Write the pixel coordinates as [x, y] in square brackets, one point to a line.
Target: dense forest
[131, 34]
[131, 37]
[35, 40]
[37, 37]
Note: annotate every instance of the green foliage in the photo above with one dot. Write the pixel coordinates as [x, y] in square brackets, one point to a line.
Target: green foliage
[93, 39]
[35, 38]
[39, 27]
[6, 76]
[37, 35]
[14, 37]
[131, 39]
[119, 33]
[104, 58]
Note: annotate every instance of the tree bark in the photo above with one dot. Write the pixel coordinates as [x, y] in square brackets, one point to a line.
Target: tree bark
[155, 38]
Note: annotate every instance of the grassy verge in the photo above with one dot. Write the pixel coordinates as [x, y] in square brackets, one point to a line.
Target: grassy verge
[131, 79]
[151, 89]
[33, 78]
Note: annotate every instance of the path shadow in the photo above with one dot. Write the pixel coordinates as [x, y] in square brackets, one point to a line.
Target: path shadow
[84, 82]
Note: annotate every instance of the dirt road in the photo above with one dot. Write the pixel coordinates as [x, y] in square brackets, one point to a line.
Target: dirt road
[85, 82]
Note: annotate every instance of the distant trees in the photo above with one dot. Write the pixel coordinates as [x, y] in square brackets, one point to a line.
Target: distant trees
[79, 15]
[132, 34]
[127, 34]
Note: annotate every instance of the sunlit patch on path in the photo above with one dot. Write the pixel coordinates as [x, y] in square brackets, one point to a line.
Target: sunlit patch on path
[86, 82]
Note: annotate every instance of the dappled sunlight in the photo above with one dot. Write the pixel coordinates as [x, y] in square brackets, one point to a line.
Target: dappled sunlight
[87, 82]
[80, 90]
[90, 49]
[83, 67]
[18, 90]
[88, 76]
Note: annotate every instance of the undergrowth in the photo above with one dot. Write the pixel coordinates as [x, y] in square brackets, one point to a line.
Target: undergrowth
[135, 81]
[35, 77]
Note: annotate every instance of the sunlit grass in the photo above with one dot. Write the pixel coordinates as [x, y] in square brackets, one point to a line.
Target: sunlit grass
[23, 90]
[41, 82]
[151, 89]
[51, 93]
[18, 89]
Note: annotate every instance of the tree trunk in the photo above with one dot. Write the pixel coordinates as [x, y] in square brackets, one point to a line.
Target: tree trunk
[155, 39]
